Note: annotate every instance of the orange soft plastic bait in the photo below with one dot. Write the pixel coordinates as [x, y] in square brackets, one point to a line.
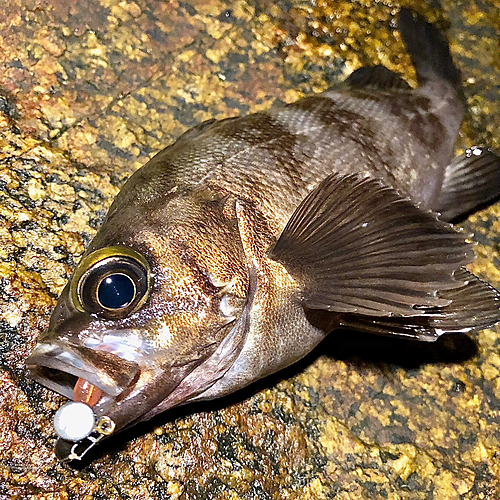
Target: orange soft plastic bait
[85, 392]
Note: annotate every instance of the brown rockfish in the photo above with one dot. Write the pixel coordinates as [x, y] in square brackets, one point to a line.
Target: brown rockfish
[233, 252]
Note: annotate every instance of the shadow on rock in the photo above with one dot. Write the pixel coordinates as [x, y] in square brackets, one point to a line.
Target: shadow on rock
[354, 347]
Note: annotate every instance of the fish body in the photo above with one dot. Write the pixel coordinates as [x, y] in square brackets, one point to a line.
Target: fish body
[233, 252]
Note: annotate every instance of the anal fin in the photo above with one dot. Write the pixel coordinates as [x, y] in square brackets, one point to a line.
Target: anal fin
[471, 181]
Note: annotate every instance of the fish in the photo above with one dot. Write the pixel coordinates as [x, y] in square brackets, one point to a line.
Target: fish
[237, 249]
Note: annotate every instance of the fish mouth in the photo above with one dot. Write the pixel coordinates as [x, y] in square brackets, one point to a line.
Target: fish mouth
[58, 366]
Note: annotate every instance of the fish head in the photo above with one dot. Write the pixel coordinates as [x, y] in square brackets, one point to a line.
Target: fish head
[154, 314]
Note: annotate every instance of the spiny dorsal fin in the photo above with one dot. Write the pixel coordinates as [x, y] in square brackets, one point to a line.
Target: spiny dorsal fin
[195, 131]
[357, 246]
[471, 181]
[376, 78]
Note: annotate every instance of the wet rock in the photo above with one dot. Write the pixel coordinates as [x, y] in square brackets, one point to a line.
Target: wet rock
[88, 91]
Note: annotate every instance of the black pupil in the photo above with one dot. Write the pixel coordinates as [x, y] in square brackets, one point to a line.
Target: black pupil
[116, 291]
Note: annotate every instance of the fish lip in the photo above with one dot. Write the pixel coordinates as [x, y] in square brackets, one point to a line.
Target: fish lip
[51, 362]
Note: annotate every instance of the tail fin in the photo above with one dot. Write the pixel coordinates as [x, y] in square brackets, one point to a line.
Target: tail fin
[429, 51]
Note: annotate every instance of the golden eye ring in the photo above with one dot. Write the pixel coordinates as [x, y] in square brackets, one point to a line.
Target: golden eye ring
[112, 282]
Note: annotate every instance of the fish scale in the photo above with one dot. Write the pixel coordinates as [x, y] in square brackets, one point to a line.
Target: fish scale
[295, 147]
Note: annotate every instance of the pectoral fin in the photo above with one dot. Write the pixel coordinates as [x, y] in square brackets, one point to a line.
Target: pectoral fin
[357, 246]
[474, 306]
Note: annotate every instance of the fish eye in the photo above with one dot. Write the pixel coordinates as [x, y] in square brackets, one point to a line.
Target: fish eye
[112, 286]
[116, 291]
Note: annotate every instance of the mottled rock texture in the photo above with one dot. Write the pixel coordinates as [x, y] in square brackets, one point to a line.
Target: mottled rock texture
[89, 90]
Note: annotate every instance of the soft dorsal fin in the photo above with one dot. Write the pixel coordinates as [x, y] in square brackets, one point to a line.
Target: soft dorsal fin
[471, 181]
[428, 49]
[357, 246]
[376, 78]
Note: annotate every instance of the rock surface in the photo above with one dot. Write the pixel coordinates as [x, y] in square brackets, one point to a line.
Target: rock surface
[88, 91]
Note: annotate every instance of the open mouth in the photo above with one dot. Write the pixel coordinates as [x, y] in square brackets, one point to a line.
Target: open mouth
[64, 369]
[93, 380]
